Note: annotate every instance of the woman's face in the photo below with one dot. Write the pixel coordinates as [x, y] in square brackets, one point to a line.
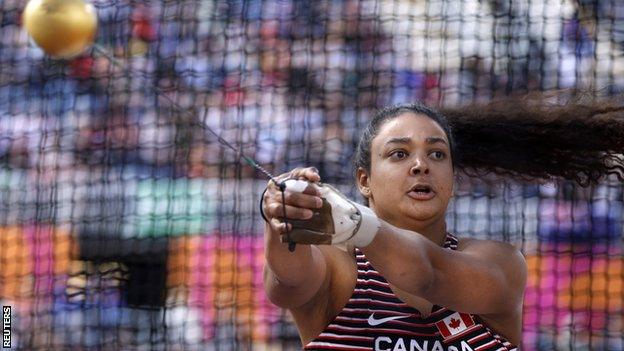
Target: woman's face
[411, 177]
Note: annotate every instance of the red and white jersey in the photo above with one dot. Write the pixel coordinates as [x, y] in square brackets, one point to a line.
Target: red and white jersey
[374, 318]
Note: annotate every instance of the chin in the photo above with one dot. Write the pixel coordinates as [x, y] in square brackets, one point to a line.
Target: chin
[422, 213]
[424, 220]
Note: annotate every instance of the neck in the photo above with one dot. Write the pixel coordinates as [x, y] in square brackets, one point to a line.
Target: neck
[433, 229]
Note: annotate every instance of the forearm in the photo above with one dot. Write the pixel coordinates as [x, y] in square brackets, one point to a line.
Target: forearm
[288, 268]
[403, 257]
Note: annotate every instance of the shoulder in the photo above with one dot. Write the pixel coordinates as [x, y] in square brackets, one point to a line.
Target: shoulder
[488, 248]
[497, 253]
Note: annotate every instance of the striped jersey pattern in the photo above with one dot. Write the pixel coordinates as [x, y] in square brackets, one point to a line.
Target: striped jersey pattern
[374, 318]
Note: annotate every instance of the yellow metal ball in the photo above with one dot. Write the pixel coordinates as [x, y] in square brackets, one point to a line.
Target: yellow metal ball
[62, 28]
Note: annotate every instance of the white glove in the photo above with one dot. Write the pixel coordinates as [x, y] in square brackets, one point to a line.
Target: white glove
[340, 220]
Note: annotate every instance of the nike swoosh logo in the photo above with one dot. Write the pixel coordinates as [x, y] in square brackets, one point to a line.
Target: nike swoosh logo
[374, 321]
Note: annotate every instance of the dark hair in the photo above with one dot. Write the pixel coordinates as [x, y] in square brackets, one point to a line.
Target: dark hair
[532, 138]
[528, 138]
[363, 151]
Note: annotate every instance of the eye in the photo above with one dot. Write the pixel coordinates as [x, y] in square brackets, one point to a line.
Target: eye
[437, 155]
[398, 154]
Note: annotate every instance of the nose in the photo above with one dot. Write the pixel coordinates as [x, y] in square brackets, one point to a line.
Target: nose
[420, 166]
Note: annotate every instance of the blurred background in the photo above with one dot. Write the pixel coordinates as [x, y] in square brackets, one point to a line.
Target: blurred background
[123, 226]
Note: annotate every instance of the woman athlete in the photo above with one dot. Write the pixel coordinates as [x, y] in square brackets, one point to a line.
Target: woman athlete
[397, 280]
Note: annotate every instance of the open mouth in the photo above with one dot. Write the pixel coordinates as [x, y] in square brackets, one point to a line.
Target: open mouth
[421, 192]
[423, 189]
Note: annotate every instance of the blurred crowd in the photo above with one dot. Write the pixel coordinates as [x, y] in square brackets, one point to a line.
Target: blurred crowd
[93, 145]
[289, 82]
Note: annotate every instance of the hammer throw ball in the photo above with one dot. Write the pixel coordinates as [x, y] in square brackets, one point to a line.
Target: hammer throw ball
[62, 28]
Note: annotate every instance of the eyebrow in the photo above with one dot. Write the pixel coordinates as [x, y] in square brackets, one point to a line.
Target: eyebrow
[407, 140]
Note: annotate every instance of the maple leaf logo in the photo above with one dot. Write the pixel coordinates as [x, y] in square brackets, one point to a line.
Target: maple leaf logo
[455, 323]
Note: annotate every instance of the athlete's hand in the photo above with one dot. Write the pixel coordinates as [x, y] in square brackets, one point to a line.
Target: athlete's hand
[318, 213]
[299, 205]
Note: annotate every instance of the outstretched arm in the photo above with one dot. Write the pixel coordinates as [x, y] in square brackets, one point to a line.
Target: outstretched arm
[483, 277]
[291, 278]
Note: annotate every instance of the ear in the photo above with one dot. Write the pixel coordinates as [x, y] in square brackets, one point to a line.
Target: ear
[363, 181]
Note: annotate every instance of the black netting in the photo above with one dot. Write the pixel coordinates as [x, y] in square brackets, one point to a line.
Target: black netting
[124, 226]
